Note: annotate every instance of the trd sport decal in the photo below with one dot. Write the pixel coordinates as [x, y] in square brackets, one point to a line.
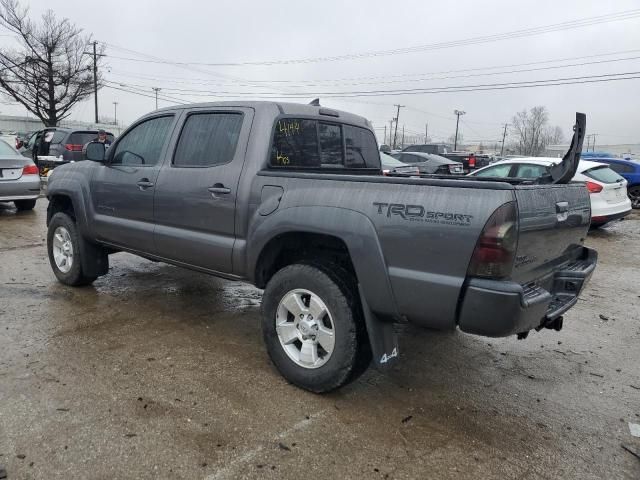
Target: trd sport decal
[417, 213]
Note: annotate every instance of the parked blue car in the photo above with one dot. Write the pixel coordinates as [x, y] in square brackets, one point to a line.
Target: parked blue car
[629, 169]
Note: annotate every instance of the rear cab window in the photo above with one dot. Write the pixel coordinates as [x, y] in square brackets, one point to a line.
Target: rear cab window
[603, 174]
[302, 143]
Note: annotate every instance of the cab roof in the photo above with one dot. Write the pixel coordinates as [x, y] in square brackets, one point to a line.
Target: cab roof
[281, 108]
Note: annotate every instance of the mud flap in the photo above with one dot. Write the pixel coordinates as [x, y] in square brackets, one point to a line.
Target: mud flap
[382, 337]
[95, 261]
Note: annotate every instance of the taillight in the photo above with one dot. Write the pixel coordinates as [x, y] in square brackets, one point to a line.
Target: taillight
[386, 172]
[594, 187]
[73, 148]
[496, 247]
[472, 161]
[30, 170]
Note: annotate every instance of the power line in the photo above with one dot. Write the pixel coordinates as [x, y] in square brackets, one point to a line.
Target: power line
[205, 81]
[414, 91]
[306, 85]
[526, 32]
[145, 95]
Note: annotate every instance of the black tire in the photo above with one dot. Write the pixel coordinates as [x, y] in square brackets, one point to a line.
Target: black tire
[24, 205]
[351, 354]
[75, 276]
[634, 196]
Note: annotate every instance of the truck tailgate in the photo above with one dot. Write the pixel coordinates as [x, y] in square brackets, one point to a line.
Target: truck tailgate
[553, 223]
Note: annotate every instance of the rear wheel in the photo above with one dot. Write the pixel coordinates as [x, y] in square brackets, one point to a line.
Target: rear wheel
[23, 205]
[634, 196]
[63, 247]
[313, 327]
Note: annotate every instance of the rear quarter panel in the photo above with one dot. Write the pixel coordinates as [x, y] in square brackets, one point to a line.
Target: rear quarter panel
[410, 241]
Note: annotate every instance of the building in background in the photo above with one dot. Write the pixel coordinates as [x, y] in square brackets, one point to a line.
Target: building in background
[10, 123]
[623, 150]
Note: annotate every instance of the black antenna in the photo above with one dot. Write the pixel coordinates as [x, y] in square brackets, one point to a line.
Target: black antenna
[315, 103]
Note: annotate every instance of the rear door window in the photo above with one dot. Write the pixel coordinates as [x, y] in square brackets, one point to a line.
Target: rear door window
[208, 139]
[501, 171]
[529, 170]
[603, 174]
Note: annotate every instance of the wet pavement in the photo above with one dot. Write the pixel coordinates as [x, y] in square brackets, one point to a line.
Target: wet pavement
[158, 372]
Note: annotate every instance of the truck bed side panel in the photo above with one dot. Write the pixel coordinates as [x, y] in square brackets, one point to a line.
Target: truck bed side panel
[426, 234]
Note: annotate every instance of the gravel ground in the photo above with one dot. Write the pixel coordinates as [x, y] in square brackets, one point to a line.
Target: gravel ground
[158, 372]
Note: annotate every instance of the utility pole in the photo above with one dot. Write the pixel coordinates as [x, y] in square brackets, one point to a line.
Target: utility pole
[115, 113]
[390, 130]
[156, 89]
[504, 134]
[384, 139]
[395, 135]
[457, 113]
[593, 144]
[95, 78]
[95, 55]
[402, 136]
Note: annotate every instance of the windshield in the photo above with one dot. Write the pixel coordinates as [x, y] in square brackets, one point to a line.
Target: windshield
[6, 149]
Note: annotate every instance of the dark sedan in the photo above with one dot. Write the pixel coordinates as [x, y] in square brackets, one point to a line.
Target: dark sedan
[428, 163]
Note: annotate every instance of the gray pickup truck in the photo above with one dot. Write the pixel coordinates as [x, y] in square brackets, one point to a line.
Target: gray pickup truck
[291, 198]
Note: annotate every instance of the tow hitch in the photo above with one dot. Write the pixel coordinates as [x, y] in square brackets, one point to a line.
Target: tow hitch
[554, 324]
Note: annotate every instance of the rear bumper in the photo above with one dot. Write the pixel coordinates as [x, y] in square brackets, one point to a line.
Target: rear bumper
[498, 309]
[602, 219]
[26, 187]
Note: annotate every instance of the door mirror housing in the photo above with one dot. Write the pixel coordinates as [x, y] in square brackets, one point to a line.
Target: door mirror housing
[94, 151]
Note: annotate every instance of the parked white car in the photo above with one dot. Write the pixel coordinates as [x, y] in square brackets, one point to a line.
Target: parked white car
[608, 190]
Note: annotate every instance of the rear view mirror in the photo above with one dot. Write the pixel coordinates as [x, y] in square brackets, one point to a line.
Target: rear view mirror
[94, 151]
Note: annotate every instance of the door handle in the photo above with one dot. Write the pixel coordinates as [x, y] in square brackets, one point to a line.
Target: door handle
[219, 188]
[562, 207]
[562, 211]
[144, 183]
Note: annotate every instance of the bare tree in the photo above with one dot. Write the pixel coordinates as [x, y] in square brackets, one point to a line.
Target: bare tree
[553, 135]
[528, 127]
[48, 73]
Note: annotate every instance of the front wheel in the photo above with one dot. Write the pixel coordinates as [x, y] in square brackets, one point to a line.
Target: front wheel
[63, 247]
[634, 196]
[313, 327]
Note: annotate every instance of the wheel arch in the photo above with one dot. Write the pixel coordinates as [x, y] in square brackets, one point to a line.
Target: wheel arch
[321, 233]
[67, 195]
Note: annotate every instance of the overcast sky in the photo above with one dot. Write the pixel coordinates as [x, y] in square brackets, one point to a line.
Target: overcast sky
[242, 31]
